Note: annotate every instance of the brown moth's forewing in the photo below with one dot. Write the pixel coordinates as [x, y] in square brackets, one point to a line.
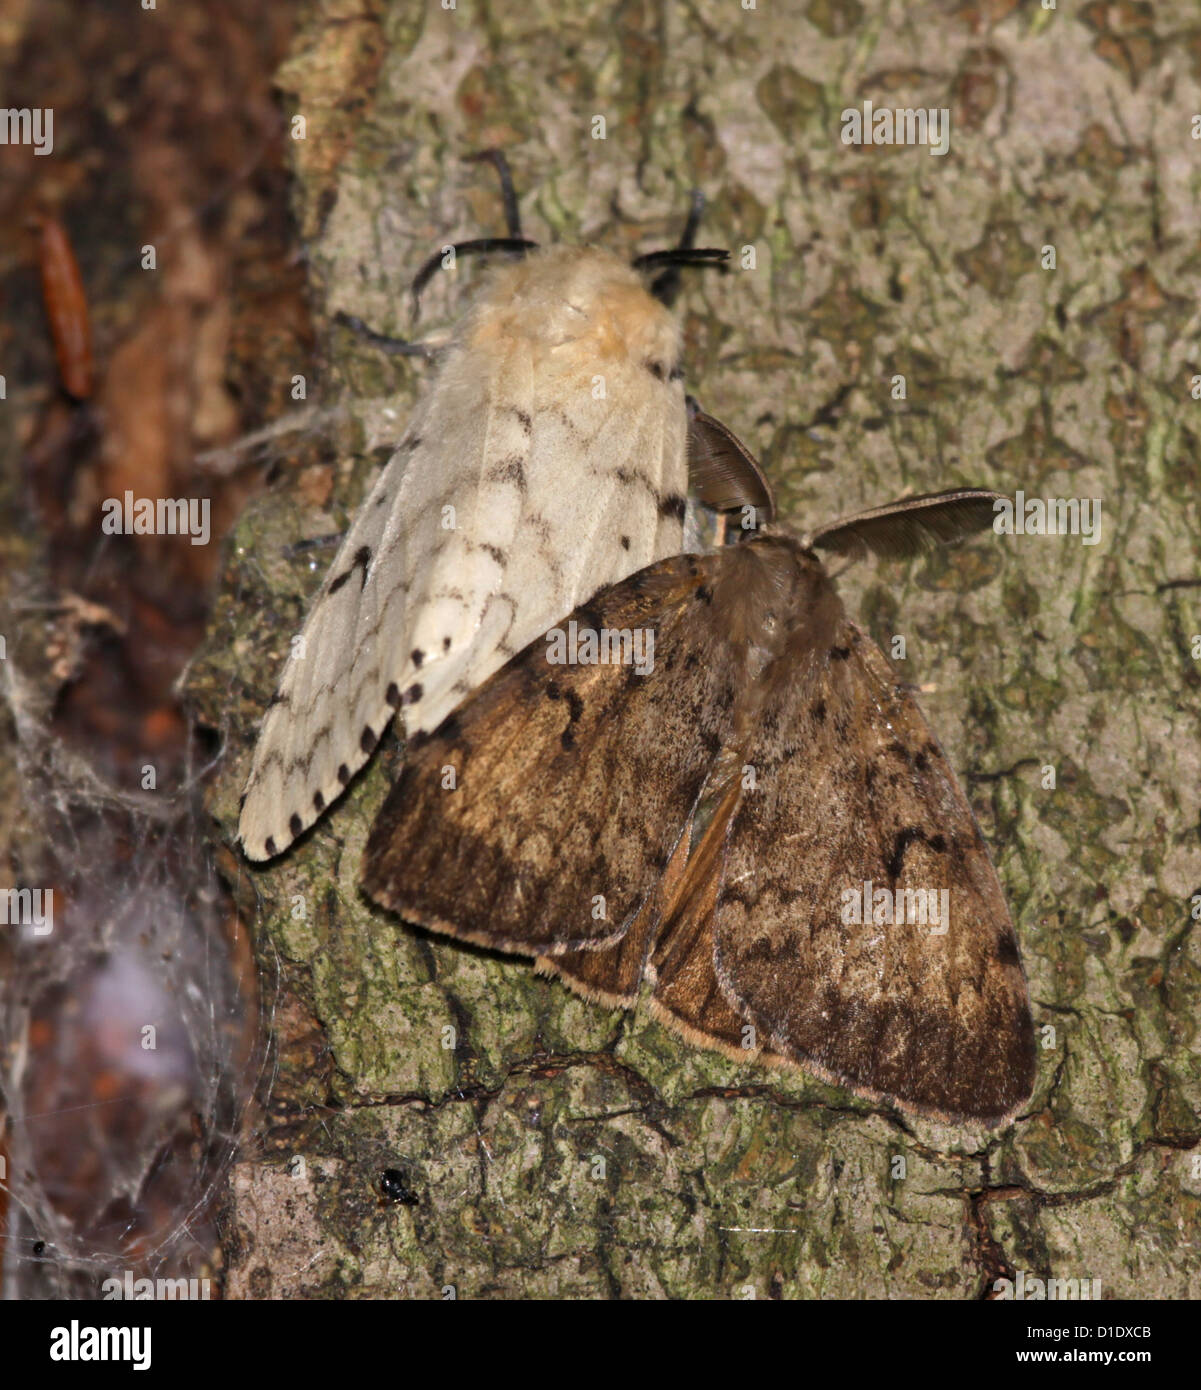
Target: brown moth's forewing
[851, 788]
[573, 783]
[776, 723]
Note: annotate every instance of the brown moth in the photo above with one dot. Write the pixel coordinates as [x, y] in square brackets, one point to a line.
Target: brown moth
[710, 824]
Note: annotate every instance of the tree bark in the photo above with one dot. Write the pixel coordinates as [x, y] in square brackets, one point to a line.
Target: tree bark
[902, 326]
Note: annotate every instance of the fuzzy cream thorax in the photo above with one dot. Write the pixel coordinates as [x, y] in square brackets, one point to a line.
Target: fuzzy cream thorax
[574, 307]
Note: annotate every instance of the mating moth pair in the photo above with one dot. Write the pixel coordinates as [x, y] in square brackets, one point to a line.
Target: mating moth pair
[697, 826]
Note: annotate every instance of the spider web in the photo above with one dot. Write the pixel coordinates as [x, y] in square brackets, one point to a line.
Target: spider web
[130, 1033]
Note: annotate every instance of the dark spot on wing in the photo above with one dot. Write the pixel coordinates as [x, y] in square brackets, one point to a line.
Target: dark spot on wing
[731, 894]
[839, 653]
[625, 542]
[656, 369]
[1007, 949]
[367, 738]
[552, 690]
[417, 656]
[362, 558]
[591, 617]
[269, 845]
[567, 739]
[523, 419]
[672, 505]
[446, 644]
[392, 694]
[295, 825]
[904, 838]
[343, 774]
[510, 469]
[413, 693]
[575, 706]
[639, 579]
[819, 711]
[704, 594]
[318, 802]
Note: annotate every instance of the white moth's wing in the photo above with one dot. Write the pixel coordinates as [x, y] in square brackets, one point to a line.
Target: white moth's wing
[602, 494]
[342, 682]
[518, 493]
[457, 523]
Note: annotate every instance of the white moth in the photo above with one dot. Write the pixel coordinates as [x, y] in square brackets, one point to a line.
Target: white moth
[548, 459]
